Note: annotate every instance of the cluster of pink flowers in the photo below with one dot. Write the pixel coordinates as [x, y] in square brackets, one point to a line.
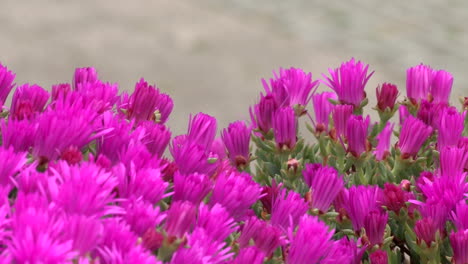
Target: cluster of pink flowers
[88, 175]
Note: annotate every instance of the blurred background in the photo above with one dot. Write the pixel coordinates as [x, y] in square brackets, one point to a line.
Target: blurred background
[210, 55]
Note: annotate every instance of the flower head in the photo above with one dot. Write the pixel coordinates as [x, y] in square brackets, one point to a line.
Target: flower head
[216, 221]
[249, 255]
[383, 145]
[459, 243]
[356, 134]
[379, 257]
[157, 137]
[362, 200]
[192, 187]
[28, 100]
[348, 81]
[386, 96]
[11, 163]
[262, 113]
[202, 129]
[237, 192]
[84, 75]
[413, 134]
[374, 224]
[460, 216]
[141, 215]
[265, 236]
[450, 127]
[403, 113]
[180, 218]
[305, 250]
[191, 157]
[453, 161]
[322, 109]
[6, 84]
[325, 184]
[291, 87]
[287, 209]
[341, 114]
[236, 138]
[285, 127]
[441, 86]
[418, 82]
[393, 197]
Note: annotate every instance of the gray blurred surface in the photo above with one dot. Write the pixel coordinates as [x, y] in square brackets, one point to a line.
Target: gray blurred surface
[210, 54]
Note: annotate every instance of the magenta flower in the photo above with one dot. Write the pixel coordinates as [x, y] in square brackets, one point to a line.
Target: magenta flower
[249, 255]
[60, 90]
[216, 221]
[85, 232]
[265, 236]
[322, 109]
[379, 257]
[262, 113]
[28, 100]
[192, 187]
[291, 87]
[386, 96]
[393, 197]
[453, 161]
[412, 136]
[157, 137]
[383, 146]
[425, 230]
[6, 84]
[348, 81]
[430, 113]
[374, 224]
[11, 163]
[356, 134]
[418, 82]
[345, 251]
[146, 183]
[463, 143]
[325, 183]
[94, 185]
[18, 134]
[341, 114]
[269, 194]
[180, 218]
[144, 102]
[403, 114]
[303, 249]
[460, 216]
[37, 232]
[450, 127]
[99, 96]
[459, 243]
[441, 86]
[362, 200]
[285, 128]
[84, 75]
[236, 138]
[202, 130]
[141, 215]
[191, 157]
[237, 192]
[287, 209]
[218, 148]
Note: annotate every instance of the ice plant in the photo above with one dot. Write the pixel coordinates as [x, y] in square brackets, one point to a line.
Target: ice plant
[285, 128]
[6, 84]
[202, 129]
[291, 87]
[348, 81]
[386, 96]
[356, 134]
[262, 113]
[86, 178]
[322, 109]
[325, 183]
[459, 242]
[413, 134]
[305, 250]
[288, 209]
[341, 114]
[236, 138]
[418, 82]
[441, 86]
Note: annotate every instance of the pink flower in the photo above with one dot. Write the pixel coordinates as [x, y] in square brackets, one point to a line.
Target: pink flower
[287, 209]
[413, 134]
[386, 96]
[285, 128]
[262, 113]
[322, 109]
[383, 145]
[356, 134]
[6, 84]
[202, 130]
[348, 81]
[341, 114]
[418, 82]
[236, 138]
[28, 100]
[441, 86]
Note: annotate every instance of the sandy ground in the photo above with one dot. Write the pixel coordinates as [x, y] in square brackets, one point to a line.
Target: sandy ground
[210, 54]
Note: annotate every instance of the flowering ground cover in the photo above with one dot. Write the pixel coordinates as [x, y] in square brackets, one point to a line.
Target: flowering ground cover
[91, 175]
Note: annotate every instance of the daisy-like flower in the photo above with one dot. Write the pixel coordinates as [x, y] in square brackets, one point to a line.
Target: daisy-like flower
[285, 128]
[383, 146]
[412, 136]
[236, 138]
[28, 100]
[418, 82]
[322, 109]
[288, 209]
[202, 129]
